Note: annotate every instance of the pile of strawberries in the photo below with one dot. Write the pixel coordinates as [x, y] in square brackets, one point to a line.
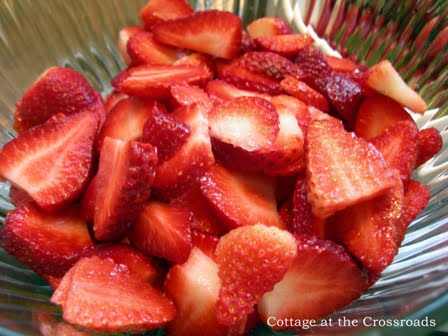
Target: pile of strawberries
[232, 176]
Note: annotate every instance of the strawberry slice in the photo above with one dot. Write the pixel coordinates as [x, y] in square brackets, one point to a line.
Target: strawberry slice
[94, 299]
[398, 144]
[268, 26]
[200, 60]
[286, 45]
[314, 66]
[241, 199]
[205, 242]
[322, 279]
[123, 38]
[378, 113]
[154, 80]
[19, 196]
[142, 49]
[317, 114]
[341, 64]
[166, 133]
[430, 142]
[125, 173]
[57, 90]
[47, 243]
[192, 160]
[219, 90]
[52, 161]
[342, 169]
[185, 95]
[213, 32]
[112, 99]
[369, 229]
[156, 11]
[305, 93]
[88, 201]
[383, 78]
[163, 230]
[125, 121]
[251, 260]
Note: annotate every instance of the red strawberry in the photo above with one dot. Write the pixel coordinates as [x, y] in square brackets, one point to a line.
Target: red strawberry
[88, 201]
[142, 49]
[205, 242]
[213, 32]
[166, 133]
[47, 243]
[204, 219]
[247, 44]
[430, 142]
[317, 114]
[52, 161]
[268, 26]
[192, 160]
[156, 11]
[305, 93]
[163, 230]
[241, 199]
[19, 196]
[322, 279]
[251, 260]
[125, 174]
[286, 45]
[112, 99]
[200, 60]
[154, 81]
[123, 38]
[377, 114]
[383, 78]
[248, 80]
[369, 229]
[219, 90]
[57, 90]
[94, 299]
[125, 121]
[194, 288]
[342, 169]
[398, 144]
[341, 64]
[314, 66]
[185, 95]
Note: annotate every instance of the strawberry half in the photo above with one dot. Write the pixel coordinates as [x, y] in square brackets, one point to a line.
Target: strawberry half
[342, 169]
[430, 142]
[52, 161]
[156, 11]
[47, 243]
[185, 95]
[163, 230]
[322, 279]
[251, 260]
[219, 90]
[125, 174]
[305, 93]
[93, 298]
[213, 32]
[123, 38]
[240, 199]
[268, 26]
[57, 90]
[286, 45]
[314, 66]
[112, 99]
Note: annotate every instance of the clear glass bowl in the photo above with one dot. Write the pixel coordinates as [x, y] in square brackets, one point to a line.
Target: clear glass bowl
[82, 34]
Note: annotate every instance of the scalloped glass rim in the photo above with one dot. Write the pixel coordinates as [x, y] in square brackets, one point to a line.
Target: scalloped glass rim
[79, 34]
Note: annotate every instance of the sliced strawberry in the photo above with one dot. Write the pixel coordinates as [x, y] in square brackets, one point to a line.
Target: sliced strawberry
[194, 288]
[94, 299]
[52, 161]
[322, 279]
[19, 196]
[269, 64]
[369, 230]
[154, 81]
[251, 260]
[268, 26]
[305, 93]
[200, 60]
[166, 133]
[142, 49]
[317, 114]
[185, 95]
[377, 114]
[163, 230]
[156, 11]
[204, 218]
[398, 144]
[342, 169]
[314, 66]
[219, 90]
[383, 78]
[341, 64]
[88, 201]
[125, 174]
[47, 243]
[125, 121]
[430, 142]
[286, 45]
[57, 90]
[137, 263]
[123, 38]
[213, 32]
[241, 199]
[248, 80]
[192, 160]
[112, 99]
[205, 242]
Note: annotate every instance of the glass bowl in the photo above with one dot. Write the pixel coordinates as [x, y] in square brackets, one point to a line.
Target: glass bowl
[82, 34]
